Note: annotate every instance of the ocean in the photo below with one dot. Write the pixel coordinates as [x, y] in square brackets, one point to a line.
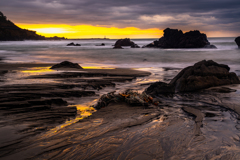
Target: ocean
[90, 55]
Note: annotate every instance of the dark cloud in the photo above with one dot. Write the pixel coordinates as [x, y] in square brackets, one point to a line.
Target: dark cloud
[205, 15]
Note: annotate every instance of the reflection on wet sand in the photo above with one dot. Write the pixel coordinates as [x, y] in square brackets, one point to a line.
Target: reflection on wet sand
[54, 120]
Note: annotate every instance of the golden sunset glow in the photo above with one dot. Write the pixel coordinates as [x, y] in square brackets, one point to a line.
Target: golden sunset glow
[88, 31]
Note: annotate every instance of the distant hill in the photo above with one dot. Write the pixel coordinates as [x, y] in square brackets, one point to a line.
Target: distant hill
[10, 32]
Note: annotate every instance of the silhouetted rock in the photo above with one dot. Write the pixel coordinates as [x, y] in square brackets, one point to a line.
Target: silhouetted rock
[55, 38]
[124, 42]
[203, 74]
[10, 32]
[66, 64]
[117, 47]
[73, 44]
[174, 38]
[237, 40]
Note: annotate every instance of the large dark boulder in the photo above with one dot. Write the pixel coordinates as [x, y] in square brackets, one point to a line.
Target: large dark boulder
[174, 38]
[202, 75]
[66, 64]
[237, 40]
[124, 42]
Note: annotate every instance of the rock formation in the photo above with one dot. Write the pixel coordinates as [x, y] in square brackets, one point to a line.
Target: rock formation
[237, 40]
[202, 75]
[10, 32]
[66, 64]
[174, 38]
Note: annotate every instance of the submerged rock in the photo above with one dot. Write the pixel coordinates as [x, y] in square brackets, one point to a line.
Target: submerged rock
[237, 40]
[135, 46]
[73, 44]
[202, 75]
[101, 44]
[117, 47]
[174, 38]
[210, 46]
[66, 64]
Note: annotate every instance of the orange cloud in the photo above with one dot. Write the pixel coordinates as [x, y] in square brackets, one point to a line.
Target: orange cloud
[89, 31]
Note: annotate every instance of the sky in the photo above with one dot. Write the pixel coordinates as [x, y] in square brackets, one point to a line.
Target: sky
[124, 18]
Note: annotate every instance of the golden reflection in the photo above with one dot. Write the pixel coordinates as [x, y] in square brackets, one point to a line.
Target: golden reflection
[92, 67]
[83, 112]
[38, 70]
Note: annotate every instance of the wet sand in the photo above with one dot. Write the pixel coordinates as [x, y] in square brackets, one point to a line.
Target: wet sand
[32, 108]
[46, 120]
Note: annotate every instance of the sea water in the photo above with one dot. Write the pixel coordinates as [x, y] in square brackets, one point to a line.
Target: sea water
[90, 55]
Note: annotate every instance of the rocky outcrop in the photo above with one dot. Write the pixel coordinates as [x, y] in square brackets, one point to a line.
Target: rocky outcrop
[10, 32]
[202, 75]
[73, 44]
[66, 64]
[124, 42]
[237, 40]
[174, 38]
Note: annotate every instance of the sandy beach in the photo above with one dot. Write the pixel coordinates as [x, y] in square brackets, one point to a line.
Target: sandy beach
[49, 116]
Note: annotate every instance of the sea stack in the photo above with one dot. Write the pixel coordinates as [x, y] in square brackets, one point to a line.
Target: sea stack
[125, 42]
[174, 38]
[237, 40]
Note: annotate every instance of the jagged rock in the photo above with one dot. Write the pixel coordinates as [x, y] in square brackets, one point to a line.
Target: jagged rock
[202, 75]
[135, 46]
[174, 38]
[124, 42]
[73, 44]
[66, 64]
[237, 40]
[160, 88]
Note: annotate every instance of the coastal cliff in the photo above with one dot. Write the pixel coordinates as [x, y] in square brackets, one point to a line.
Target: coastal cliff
[10, 32]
